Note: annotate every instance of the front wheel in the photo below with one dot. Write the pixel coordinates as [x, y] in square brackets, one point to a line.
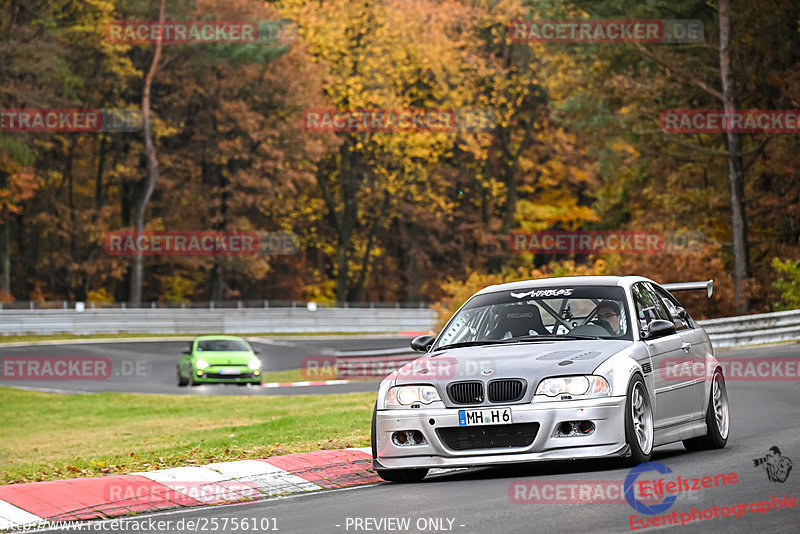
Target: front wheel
[181, 381]
[717, 419]
[638, 423]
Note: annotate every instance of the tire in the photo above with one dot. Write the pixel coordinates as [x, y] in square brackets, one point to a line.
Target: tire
[393, 475]
[639, 429]
[718, 424]
[181, 381]
[191, 379]
[372, 440]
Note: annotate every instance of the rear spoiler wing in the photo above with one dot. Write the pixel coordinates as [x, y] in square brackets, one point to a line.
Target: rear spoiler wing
[708, 285]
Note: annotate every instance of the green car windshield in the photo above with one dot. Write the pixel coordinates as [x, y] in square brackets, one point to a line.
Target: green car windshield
[222, 345]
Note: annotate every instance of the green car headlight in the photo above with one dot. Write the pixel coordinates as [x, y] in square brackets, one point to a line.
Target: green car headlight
[201, 364]
[254, 363]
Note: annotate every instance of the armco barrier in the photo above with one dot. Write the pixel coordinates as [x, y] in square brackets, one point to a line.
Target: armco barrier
[725, 332]
[229, 321]
[753, 329]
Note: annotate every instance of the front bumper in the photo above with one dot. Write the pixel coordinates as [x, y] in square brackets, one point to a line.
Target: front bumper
[214, 374]
[607, 440]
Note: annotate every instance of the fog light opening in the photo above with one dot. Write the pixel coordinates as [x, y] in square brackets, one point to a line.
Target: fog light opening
[406, 438]
[199, 373]
[568, 429]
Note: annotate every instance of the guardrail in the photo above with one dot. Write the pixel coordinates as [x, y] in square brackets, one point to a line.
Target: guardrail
[228, 321]
[753, 329]
[724, 332]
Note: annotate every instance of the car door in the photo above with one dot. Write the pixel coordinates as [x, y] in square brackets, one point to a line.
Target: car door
[674, 398]
[694, 344]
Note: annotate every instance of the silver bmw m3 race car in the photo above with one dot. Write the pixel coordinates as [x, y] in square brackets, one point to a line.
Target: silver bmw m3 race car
[553, 369]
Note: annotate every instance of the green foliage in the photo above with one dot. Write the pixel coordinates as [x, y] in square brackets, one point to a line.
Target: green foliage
[179, 289]
[788, 284]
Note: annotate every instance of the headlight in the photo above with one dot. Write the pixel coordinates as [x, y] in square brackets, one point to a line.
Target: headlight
[407, 395]
[573, 385]
[201, 364]
[254, 363]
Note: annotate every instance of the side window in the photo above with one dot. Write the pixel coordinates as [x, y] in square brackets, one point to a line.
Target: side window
[672, 306]
[648, 306]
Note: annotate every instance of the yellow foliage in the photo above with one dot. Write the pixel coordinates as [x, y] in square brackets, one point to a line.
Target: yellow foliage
[100, 296]
[458, 291]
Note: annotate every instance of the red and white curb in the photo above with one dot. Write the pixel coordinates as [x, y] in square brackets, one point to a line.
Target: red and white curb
[217, 483]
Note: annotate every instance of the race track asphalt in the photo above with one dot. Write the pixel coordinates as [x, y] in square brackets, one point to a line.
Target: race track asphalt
[149, 366]
[763, 414]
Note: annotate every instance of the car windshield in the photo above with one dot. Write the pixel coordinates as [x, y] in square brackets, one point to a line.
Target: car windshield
[222, 345]
[595, 312]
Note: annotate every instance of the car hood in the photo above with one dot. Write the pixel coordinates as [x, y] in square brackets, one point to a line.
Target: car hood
[529, 361]
[214, 357]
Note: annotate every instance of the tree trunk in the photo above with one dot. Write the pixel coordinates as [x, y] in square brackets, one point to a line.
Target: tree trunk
[741, 256]
[152, 168]
[5, 252]
[5, 249]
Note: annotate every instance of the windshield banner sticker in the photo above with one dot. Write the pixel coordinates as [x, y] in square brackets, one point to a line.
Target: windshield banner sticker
[535, 293]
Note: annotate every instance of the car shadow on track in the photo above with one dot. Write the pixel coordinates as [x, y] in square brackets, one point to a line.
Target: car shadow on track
[554, 468]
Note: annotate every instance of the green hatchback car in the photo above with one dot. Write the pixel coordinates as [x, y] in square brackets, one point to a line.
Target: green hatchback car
[219, 359]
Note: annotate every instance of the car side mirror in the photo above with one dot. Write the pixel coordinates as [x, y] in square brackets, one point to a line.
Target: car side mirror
[422, 343]
[658, 328]
[187, 352]
[256, 351]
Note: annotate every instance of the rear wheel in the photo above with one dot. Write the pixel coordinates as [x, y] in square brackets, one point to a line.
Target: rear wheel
[638, 423]
[717, 419]
[393, 475]
[181, 381]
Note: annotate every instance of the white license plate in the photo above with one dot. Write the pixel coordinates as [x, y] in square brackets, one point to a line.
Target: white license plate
[490, 416]
[229, 371]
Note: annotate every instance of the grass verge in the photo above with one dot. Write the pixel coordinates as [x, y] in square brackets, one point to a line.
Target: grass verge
[53, 436]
